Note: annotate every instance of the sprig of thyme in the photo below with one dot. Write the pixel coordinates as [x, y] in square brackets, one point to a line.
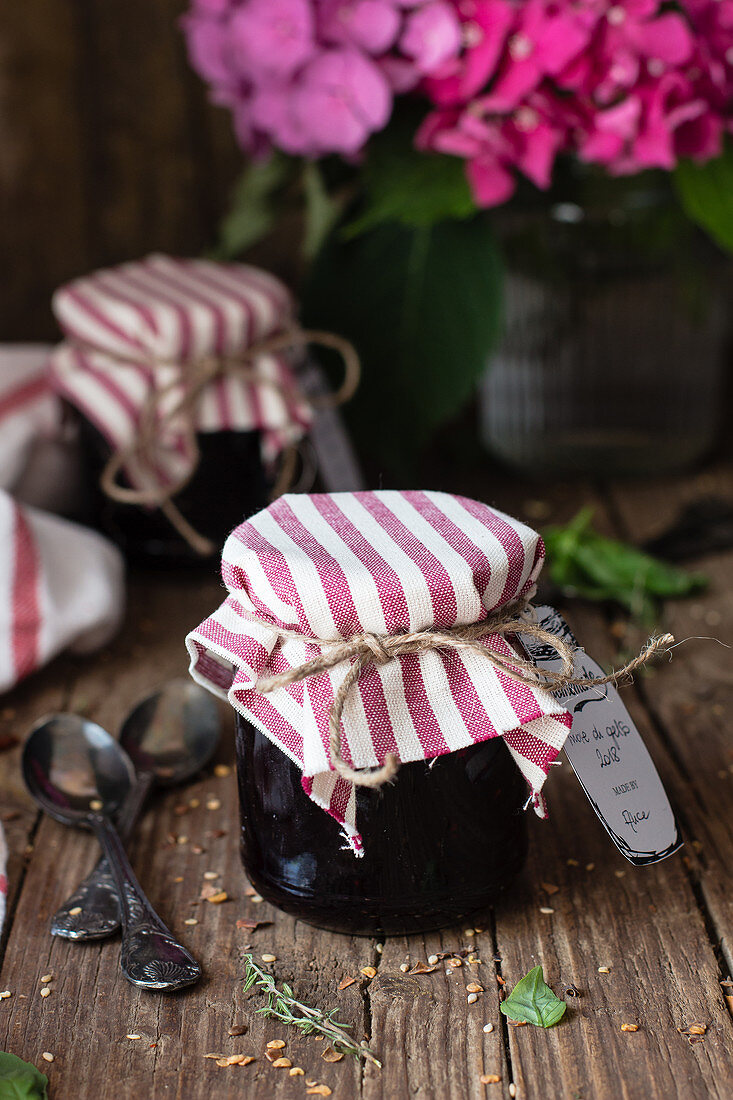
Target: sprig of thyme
[282, 1005]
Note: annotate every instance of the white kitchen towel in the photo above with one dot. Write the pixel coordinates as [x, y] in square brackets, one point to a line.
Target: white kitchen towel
[61, 587]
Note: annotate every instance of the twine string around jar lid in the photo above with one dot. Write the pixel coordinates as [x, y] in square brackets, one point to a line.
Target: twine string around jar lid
[368, 648]
[197, 374]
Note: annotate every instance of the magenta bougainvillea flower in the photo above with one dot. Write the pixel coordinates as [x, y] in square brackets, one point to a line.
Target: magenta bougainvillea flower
[507, 85]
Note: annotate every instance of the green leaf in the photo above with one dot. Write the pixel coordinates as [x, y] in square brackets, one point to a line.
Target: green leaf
[533, 1002]
[403, 184]
[322, 210]
[20, 1080]
[422, 306]
[706, 192]
[254, 207]
[583, 563]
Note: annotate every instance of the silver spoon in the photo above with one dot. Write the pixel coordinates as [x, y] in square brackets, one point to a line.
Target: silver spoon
[169, 737]
[79, 775]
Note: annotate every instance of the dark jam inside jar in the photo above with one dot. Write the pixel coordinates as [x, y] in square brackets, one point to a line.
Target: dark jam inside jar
[440, 843]
[229, 484]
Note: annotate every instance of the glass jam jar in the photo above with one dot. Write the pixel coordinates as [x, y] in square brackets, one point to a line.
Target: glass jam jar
[229, 483]
[440, 843]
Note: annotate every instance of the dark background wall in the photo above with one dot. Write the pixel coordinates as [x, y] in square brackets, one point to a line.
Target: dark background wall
[108, 147]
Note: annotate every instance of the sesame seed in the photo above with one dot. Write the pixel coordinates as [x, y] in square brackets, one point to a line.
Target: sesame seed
[213, 804]
[191, 920]
[296, 1071]
[217, 899]
[210, 875]
[404, 967]
[488, 1028]
[629, 1027]
[222, 770]
[45, 992]
[590, 866]
[368, 971]
[179, 878]
[474, 987]
[546, 909]
[472, 998]
[194, 803]
[5, 994]
[619, 874]
[133, 1036]
[257, 898]
[75, 911]
[489, 1078]
[267, 958]
[512, 1090]
[432, 960]
[47, 1056]
[379, 948]
[469, 932]
[96, 804]
[46, 978]
[604, 969]
[573, 863]
[182, 840]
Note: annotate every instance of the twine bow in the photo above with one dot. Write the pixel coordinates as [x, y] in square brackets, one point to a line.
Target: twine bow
[197, 374]
[368, 648]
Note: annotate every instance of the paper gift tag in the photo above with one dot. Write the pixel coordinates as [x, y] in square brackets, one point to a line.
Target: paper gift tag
[609, 756]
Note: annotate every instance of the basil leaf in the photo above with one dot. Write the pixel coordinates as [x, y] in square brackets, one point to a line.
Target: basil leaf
[20, 1080]
[533, 1002]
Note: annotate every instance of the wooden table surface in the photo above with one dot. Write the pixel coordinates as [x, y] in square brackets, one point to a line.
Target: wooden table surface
[665, 932]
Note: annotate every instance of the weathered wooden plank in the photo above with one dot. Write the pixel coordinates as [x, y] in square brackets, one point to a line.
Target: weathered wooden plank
[691, 697]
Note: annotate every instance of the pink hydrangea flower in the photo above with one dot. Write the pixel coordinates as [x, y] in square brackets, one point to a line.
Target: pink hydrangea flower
[508, 85]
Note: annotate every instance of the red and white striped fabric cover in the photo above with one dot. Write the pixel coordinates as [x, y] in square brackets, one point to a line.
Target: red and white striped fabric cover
[336, 564]
[134, 327]
[61, 586]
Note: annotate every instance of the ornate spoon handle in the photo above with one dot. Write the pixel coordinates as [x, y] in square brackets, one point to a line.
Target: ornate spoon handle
[93, 911]
[151, 956]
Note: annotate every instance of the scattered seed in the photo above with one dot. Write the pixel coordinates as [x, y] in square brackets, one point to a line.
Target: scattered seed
[346, 982]
[469, 932]
[546, 909]
[217, 899]
[590, 866]
[178, 879]
[46, 978]
[282, 1063]
[257, 898]
[421, 968]
[488, 1028]
[275, 1044]
[194, 803]
[238, 1029]
[296, 1071]
[45, 992]
[432, 959]
[213, 804]
[379, 948]
[473, 959]
[604, 969]
[455, 963]
[319, 1090]
[490, 1079]
[368, 971]
[472, 998]
[517, 1023]
[96, 804]
[182, 840]
[404, 967]
[310, 1083]
[331, 1055]
[133, 1036]
[191, 920]
[512, 1090]
[629, 1027]
[474, 987]
[75, 911]
[47, 1056]
[5, 994]
[549, 887]
[619, 874]
[210, 875]
[222, 770]
[267, 958]
[573, 863]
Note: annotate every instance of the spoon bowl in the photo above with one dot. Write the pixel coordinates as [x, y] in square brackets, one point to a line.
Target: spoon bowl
[72, 767]
[173, 732]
